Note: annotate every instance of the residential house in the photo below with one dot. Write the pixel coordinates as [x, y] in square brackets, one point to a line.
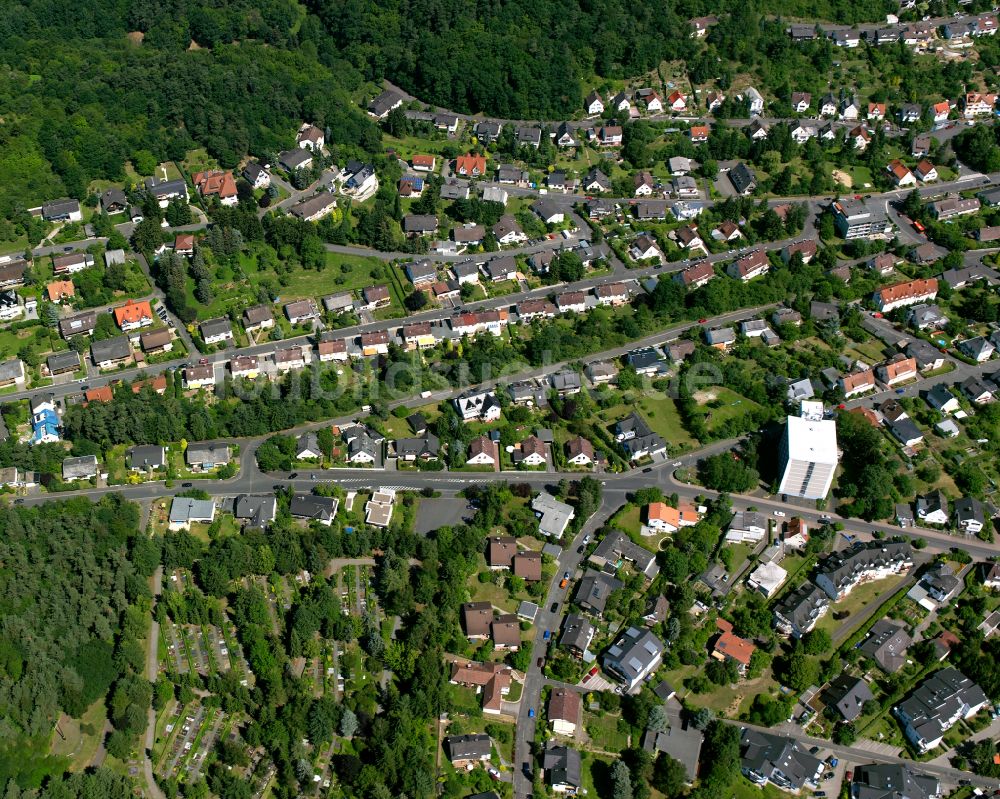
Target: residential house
[645, 247]
[72, 263]
[111, 352]
[564, 711]
[185, 510]
[302, 311]
[730, 648]
[217, 183]
[579, 452]
[468, 750]
[779, 760]
[901, 174]
[936, 705]
[553, 516]
[848, 695]
[470, 165]
[898, 370]
[969, 515]
[908, 293]
[577, 633]
[491, 679]
[384, 103]
[482, 452]
[743, 179]
[886, 644]
[633, 656]
[562, 768]
[314, 508]
[978, 392]
[258, 317]
[979, 349]
[798, 611]
[375, 297]
[753, 264]
[838, 574]
[954, 207]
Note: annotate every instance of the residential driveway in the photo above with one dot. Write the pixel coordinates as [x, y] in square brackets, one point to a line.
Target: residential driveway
[440, 512]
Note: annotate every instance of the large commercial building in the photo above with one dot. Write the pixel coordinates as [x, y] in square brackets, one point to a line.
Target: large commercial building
[808, 457]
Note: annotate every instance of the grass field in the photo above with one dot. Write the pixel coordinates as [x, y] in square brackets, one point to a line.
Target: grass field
[604, 733]
[660, 413]
[721, 404]
[856, 602]
[80, 737]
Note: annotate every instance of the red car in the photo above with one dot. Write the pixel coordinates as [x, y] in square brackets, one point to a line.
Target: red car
[702, 321]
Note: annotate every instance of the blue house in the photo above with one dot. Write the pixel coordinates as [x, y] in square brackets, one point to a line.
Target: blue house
[45, 424]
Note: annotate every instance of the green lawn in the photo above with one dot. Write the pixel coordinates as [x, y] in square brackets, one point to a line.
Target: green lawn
[720, 404]
[660, 412]
[856, 602]
[604, 733]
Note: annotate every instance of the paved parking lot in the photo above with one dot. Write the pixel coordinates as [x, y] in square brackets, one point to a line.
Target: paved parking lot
[440, 512]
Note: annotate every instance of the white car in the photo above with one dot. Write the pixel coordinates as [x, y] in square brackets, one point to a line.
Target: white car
[779, 513]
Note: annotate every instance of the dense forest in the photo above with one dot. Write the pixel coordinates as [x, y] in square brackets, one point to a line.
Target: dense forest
[86, 89]
[73, 609]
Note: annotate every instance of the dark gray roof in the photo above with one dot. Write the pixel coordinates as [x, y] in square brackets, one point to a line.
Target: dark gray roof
[777, 758]
[594, 589]
[79, 324]
[893, 781]
[968, 509]
[577, 632]
[165, 188]
[561, 765]
[468, 747]
[843, 569]
[803, 606]
[311, 506]
[742, 177]
[293, 159]
[420, 223]
[216, 327]
[146, 456]
[848, 694]
[207, 452]
[886, 644]
[257, 509]
[112, 349]
[932, 706]
[63, 361]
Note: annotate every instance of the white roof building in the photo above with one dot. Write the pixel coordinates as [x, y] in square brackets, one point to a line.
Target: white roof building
[553, 516]
[809, 457]
[767, 578]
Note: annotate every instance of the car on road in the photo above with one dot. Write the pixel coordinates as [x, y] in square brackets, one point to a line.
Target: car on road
[676, 464]
[68, 249]
[187, 485]
[702, 321]
[779, 513]
[554, 608]
[900, 391]
[547, 635]
[293, 475]
[565, 575]
[540, 662]
[531, 712]
[820, 794]
[586, 539]
[312, 476]
[647, 470]
[813, 750]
